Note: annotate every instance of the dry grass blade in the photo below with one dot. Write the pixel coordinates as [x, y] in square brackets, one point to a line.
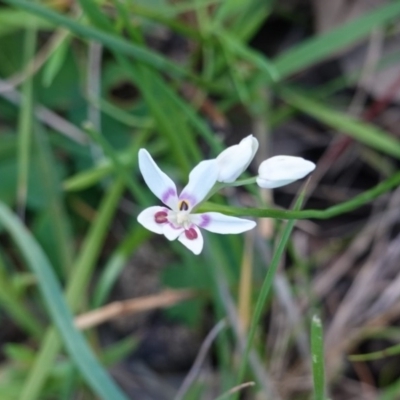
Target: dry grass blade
[194, 371]
[119, 308]
[236, 389]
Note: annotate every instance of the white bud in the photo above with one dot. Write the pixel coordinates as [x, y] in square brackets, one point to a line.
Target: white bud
[281, 170]
[234, 160]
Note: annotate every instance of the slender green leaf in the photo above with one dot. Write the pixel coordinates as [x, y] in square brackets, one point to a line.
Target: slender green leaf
[93, 372]
[81, 273]
[317, 354]
[377, 355]
[119, 168]
[13, 20]
[116, 263]
[122, 116]
[93, 12]
[25, 123]
[60, 229]
[56, 60]
[109, 40]
[86, 179]
[12, 303]
[321, 46]
[265, 290]
[260, 61]
[365, 133]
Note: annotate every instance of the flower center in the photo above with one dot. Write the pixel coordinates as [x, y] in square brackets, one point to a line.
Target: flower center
[191, 234]
[161, 217]
[182, 218]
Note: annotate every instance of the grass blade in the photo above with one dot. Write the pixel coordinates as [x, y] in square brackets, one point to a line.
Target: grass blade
[116, 263]
[377, 355]
[76, 286]
[119, 168]
[317, 353]
[14, 306]
[60, 228]
[319, 47]
[111, 41]
[365, 133]
[25, 124]
[265, 290]
[75, 344]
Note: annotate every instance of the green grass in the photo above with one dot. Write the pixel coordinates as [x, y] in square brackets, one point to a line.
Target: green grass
[68, 218]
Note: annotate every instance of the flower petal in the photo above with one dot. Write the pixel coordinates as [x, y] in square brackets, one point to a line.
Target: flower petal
[171, 232]
[195, 245]
[234, 160]
[221, 223]
[201, 180]
[281, 170]
[157, 181]
[146, 218]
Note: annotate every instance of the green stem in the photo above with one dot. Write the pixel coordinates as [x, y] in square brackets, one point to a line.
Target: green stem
[219, 186]
[342, 208]
[242, 182]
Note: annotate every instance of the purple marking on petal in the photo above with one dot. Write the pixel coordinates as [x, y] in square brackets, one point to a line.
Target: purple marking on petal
[205, 220]
[169, 193]
[173, 226]
[189, 198]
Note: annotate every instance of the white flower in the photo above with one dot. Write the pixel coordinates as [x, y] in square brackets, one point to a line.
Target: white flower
[281, 170]
[177, 221]
[234, 160]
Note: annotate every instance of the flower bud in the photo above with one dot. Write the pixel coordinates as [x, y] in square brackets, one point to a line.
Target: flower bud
[234, 160]
[281, 170]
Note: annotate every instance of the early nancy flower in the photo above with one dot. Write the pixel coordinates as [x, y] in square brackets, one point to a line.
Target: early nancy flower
[177, 220]
[234, 160]
[281, 170]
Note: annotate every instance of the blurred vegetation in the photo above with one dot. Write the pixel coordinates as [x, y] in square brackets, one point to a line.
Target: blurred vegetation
[83, 86]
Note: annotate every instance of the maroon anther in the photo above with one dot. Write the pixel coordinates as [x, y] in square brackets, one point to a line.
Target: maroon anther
[191, 234]
[183, 205]
[161, 217]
